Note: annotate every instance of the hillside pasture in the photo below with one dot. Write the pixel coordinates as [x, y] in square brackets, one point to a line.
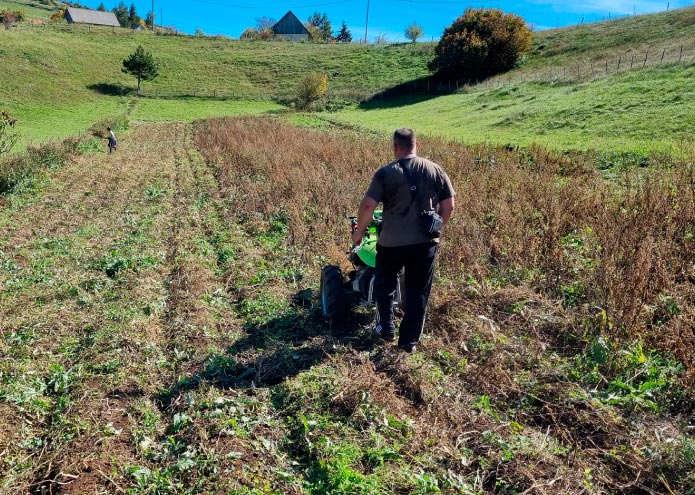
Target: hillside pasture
[640, 111]
[57, 78]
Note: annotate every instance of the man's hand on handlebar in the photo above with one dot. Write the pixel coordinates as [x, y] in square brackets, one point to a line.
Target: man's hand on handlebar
[357, 236]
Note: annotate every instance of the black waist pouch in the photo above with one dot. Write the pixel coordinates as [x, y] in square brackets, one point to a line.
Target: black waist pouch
[432, 223]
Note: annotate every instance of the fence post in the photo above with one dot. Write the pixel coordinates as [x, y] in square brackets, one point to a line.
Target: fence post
[632, 60]
[662, 56]
[620, 58]
[681, 55]
[645, 58]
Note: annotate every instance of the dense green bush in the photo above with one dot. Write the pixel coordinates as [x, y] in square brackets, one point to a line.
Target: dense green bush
[312, 88]
[481, 43]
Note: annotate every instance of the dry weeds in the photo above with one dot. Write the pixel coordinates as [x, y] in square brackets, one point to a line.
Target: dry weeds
[543, 255]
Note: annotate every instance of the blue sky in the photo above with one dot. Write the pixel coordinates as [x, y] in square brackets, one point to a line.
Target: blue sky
[386, 17]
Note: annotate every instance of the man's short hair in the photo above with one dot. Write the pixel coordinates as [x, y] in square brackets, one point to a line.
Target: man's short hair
[404, 138]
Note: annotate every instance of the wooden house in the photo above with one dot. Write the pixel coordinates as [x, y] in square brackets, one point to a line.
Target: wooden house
[92, 17]
[291, 28]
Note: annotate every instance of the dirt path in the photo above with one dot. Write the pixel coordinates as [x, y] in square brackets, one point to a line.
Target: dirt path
[102, 307]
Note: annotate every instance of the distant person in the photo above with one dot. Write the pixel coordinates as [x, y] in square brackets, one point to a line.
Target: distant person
[418, 201]
[112, 140]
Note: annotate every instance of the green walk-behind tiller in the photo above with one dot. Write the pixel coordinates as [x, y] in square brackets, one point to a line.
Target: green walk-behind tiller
[339, 292]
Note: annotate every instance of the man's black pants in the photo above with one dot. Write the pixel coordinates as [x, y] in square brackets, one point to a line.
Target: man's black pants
[418, 261]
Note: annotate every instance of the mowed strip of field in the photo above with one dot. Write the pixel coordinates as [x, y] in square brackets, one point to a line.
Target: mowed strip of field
[106, 267]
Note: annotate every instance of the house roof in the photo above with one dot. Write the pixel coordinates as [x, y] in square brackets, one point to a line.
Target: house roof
[290, 24]
[86, 16]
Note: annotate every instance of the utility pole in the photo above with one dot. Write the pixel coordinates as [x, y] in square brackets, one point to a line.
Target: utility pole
[366, 27]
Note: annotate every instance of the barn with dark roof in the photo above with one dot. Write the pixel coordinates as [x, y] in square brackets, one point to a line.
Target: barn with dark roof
[92, 17]
[291, 28]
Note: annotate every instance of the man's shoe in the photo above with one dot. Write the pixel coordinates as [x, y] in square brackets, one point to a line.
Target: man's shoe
[381, 333]
[407, 348]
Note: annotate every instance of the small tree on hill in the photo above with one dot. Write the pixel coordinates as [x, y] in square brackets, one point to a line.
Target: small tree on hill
[344, 35]
[312, 88]
[141, 65]
[413, 32]
[323, 30]
[7, 137]
[122, 14]
[264, 23]
[481, 43]
[133, 17]
[101, 7]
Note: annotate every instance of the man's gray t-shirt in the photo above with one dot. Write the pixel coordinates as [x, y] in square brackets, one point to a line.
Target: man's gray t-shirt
[402, 225]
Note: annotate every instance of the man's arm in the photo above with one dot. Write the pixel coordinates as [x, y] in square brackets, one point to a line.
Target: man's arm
[364, 216]
[446, 208]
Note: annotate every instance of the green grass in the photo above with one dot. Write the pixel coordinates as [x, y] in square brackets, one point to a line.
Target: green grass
[41, 122]
[55, 93]
[32, 9]
[614, 38]
[641, 110]
[57, 78]
[187, 110]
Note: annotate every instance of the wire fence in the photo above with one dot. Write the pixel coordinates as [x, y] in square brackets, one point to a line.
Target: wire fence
[570, 72]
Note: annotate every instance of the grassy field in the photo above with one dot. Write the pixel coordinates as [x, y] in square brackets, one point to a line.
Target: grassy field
[55, 93]
[154, 341]
[640, 111]
[32, 9]
[564, 96]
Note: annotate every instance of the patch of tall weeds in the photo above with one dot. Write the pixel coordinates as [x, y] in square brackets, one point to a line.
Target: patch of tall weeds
[19, 168]
[524, 217]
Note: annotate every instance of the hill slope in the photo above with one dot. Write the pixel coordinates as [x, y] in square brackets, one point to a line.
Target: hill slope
[575, 90]
[73, 75]
[597, 86]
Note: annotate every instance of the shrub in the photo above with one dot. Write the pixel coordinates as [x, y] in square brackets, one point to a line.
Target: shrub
[481, 43]
[59, 16]
[117, 123]
[18, 169]
[413, 32]
[9, 17]
[312, 88]
[7, 135]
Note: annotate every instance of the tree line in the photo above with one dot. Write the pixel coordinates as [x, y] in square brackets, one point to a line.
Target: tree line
[320, 30]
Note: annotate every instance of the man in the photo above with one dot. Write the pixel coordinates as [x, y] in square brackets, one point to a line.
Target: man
[403, 242]
[112, 140]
